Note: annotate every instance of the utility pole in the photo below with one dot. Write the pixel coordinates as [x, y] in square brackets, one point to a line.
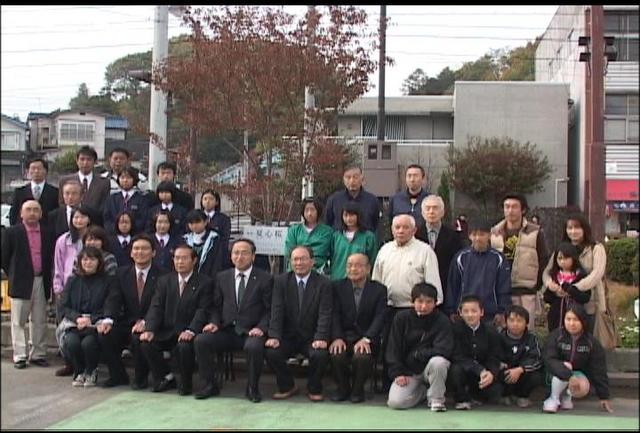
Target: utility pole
[383, 32]
[595, 183]
[158, 112]
[309, 104]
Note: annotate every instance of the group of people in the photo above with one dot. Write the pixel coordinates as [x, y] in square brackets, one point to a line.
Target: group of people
[147, 272]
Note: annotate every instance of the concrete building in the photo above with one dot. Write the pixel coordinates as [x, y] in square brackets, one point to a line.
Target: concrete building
[14, 154]
[557, 60]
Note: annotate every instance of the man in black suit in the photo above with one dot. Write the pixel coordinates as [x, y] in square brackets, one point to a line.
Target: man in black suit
[38, 189]
[125, 309]
[95, 189]
[177, 313]
[27, 258]
[239, 320]
[444, 240]
[60, 218]
[359, 308]
[300, 323]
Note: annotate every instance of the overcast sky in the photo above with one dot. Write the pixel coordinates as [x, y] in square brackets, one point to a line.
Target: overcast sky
[47, 51]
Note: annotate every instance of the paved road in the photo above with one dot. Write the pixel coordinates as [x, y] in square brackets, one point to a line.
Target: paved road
[35, 399]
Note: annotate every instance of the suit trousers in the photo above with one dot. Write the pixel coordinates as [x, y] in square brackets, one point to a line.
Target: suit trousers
[465, 383]
[111, 345]
[524, 386]
[34, 309]
[318, 360]
[182, 352]
[351, 370]
[434, 376]
[208, 345]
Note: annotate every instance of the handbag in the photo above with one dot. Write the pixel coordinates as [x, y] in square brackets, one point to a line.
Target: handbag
[604, 328]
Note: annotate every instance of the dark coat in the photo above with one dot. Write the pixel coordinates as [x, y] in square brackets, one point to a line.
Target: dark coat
[170, 314]
[137, 205]
[314, 321]
[96, 196]
[369, 208]
[479, 350]
[48, 201]
[85, 295]
[16, 260]
[369, 319]
[255, 307]
[57, 221]
[447, 245]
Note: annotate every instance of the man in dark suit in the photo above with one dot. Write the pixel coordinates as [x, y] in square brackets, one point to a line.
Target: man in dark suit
[239, 320]
[359, 308]
[125, 309]
[38, 189]
[95, 189]
[300, 323]
[60, 218]
[27, 258]
[444, 240]
[176, 315]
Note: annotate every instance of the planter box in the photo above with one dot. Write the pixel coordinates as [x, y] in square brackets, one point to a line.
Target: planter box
[622, 360]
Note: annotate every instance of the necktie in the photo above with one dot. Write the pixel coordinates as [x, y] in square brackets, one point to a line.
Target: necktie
[300, 293]
[124, 244]
[126, 201]
[36, 192]
[182, 284]
[241, 288]
[161, 243]
[432, 238]
[140, 284]
[85, 185]
[357, 294]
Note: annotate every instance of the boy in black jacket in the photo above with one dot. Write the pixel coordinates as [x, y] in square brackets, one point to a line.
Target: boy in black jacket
[418, 352]
[521, 366]
[476, 356]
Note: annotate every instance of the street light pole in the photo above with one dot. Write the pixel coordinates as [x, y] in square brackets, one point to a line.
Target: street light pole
[309, 104]
[158, 112]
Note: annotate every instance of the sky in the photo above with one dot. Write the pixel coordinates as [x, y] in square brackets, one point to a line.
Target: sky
[48, 51]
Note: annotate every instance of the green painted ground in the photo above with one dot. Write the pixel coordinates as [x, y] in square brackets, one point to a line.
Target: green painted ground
[132, 410]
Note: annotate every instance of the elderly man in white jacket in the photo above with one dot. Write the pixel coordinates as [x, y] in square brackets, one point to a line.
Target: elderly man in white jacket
[401, 264]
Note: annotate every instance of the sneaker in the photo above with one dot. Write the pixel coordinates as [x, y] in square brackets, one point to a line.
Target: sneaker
[91, 379]
[438, 406]
[463, 405]
[523, 402]
[506, 401]
[550, 405]
[78, 380]
[566, 403]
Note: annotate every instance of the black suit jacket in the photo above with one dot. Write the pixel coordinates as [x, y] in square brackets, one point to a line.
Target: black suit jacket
[255, 307]
[48, 201]
[369, 319]
[182, 198]
[314, 321]
[96, 196]
[57, 221]
[447, 245]
[170, 314]
[16, 260]
[123, 305]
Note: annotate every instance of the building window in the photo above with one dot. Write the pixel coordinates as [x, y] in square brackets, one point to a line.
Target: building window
[621, 118]
[10, 141]
[372, 153]
[386, 151]
[394, 127]
[77, 132]
[624, 27]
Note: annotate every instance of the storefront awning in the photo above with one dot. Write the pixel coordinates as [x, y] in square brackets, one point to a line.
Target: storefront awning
[622, 190]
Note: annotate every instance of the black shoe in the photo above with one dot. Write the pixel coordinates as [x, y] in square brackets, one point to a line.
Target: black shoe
[111, 382]
[208, 391]
[357, 398]
[339, 396]
[253, 395]
[143, 384]
[40, 362]
[67, 370]
[21, 364]
[184, 389]
[164, 385]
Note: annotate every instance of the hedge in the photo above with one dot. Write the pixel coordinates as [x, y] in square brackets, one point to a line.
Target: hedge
[622, 260]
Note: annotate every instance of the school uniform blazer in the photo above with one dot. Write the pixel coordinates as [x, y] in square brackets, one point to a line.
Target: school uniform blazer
[164, 255]
[95, 196]
[16, 260]
[369, 318]
[123, 305]
[170, 314]
[48, 201]
[255, 307]
[122, 255]
[313, 321]
[137, 205]
[179, 215]
[447, 245]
